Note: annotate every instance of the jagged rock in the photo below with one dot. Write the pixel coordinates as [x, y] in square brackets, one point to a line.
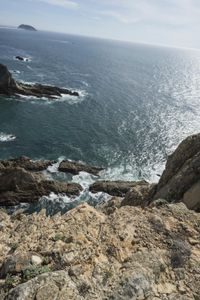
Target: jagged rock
[18, 262]
[20, 186]
[134, 253]
[51, 286]
[138, 194]
[181, 177]
[75, 167]
[115, 188]
[10, 87]
[110, 206]
[6, 81]
[26, 163]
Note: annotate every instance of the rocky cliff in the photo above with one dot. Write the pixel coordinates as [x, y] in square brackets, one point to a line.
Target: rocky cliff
[142, 244]
[130, 253]
[10, 87]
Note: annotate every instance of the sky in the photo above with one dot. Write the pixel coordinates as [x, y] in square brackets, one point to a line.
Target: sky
[164, 22]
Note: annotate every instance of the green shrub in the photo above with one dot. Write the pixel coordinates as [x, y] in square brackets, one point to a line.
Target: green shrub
[58, 237]
[9, 282]
[34, 271]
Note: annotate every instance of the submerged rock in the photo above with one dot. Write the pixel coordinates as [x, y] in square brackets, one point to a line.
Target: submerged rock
[10, 87]
[115, 188]
[75, 167]
[19, 57]
[180, 180]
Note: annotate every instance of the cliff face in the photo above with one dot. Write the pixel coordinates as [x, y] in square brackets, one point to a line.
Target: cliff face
[86, 254]
[144, 245]
[181, 179]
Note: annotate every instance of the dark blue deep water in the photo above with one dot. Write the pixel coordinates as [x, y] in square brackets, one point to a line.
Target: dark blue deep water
[137, 102]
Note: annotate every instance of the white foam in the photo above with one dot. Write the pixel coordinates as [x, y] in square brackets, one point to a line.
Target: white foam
[56, 198]
[84, 179]
[54, 168]
[70, 99]
[15, 71]
[4, 137]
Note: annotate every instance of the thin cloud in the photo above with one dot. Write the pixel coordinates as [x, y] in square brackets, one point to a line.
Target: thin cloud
[63, 3]
[169, 12]
[120, 17]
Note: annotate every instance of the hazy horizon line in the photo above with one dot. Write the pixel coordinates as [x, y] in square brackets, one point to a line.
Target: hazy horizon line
[103, 38]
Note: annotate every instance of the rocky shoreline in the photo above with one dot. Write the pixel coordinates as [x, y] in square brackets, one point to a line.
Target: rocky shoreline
[143, 243]
[10, 87]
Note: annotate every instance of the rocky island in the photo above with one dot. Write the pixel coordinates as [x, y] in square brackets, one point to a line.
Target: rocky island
[27, 27]
[142, 244]
[10, 87]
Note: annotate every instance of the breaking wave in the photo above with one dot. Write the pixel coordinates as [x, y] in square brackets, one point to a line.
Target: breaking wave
[4, 137]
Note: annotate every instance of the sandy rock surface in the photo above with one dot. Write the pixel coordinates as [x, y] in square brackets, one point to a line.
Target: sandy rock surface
[132, 253]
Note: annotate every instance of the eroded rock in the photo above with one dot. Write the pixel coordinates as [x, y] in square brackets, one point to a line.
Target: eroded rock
[20, 186]
[10, 87]
[26, 163]
[138, 194]
[75, 167]
[181, 177]
[115, 188]
[133, 253]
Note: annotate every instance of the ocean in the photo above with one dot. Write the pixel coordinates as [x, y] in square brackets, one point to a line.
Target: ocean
[137, 102]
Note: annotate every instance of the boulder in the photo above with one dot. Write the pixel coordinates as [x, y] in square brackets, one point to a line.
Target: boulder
[18, 262]
[10, 87]
[20, 186]
[138, 195]
[110, 206]
[181, 177]
[114, 188]
[76, 167]
[51, 286]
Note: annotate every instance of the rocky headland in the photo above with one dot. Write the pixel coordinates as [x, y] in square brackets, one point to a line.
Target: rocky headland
[27, 27]
[141, 244]
[11, 87]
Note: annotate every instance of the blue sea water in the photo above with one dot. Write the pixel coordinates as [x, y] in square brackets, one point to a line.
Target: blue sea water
[137, 102]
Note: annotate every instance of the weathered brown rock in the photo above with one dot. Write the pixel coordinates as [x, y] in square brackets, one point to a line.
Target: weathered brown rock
[115, 188]
[182, 174]
[10, 87]
[138, 195]
[20, 186]
[134, 253]
[27, 164]
[110, 206]
[16, 263]
[75, 167]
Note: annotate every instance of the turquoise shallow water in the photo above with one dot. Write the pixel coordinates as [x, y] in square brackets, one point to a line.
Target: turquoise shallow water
[137, 102]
